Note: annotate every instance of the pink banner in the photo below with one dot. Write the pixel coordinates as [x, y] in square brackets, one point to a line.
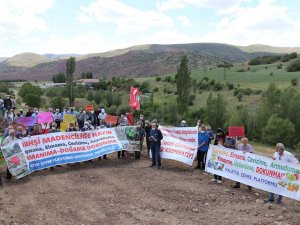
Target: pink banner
[45, 117]
[26, 121]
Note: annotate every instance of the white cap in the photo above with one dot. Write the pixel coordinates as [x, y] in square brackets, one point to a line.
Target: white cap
[183, 121]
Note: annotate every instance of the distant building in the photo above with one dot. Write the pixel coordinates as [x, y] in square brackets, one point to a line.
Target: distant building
[49, 85]
[87, 82]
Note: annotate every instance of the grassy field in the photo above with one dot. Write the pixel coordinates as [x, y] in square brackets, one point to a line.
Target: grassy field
[255, 77]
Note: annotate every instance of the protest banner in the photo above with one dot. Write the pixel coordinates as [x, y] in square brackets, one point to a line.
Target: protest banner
[45, 117]
[26, 121]
[235, 131]
[63, 126]
[129, 137]
[257, 171]
[42, 151]
[89, 108]
[179, 143]
[68, 118]
[111, 119]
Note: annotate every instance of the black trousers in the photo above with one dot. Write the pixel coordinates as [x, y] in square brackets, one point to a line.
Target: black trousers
[201, 159]
[217, 177]
[8, 174]
[138, 153]
[58, 124]
[148, 146]
[121, 153]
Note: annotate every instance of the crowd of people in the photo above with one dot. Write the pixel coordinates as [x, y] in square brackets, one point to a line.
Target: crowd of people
[149, 131]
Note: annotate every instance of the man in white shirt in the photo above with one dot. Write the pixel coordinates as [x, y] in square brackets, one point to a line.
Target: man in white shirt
[281, 155]
[102, 116]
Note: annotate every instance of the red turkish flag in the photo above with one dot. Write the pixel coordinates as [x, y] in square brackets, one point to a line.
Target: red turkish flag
[134, 101]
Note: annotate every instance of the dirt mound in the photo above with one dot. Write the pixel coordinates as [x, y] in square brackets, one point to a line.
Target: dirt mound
[127, 191]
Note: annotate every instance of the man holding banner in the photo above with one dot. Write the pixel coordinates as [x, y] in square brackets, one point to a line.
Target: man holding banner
[284, 156]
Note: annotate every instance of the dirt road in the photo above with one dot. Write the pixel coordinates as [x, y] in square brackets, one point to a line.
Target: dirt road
[127, 191]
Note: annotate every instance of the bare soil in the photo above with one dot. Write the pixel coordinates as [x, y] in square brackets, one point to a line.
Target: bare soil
[127, 191]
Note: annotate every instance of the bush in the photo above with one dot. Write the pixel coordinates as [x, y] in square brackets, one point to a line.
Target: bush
[277, 128]
[90, 96]
[155, 90]
[241, 70]
[158, 79]
[51, 92]
[212, 83]
[271, 74]
[168, 79]
[33, 100]
[230, 86]
[294, 66]
[218, 87]
[279, 66]
[294, 81]
[58, 102]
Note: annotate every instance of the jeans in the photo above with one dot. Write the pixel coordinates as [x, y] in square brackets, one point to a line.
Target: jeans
[272, 195]
[148, 146]
[155, 151]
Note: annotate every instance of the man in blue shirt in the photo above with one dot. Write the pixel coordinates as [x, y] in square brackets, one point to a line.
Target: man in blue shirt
[203, 141]
[155, 142]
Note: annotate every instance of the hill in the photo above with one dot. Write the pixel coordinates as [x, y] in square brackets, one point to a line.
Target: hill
[137, 61]
[26, 59]
[267, 48]
[2, 59]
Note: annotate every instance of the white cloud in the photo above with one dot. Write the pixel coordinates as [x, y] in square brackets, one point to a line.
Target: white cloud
[126, 18]
[266, 23]
[185, 21]
[215, 4]
[18, 17]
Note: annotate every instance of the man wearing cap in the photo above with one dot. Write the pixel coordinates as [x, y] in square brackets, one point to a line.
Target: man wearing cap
[155, 143]
[182, 124]
[281, 155]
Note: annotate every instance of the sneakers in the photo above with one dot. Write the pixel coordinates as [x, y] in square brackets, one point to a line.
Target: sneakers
[219, 181]
[152, 165]
[213, 180]
[235, 186]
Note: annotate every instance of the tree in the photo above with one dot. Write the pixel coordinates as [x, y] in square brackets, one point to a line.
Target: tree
[33, 100]
[279, 130]
[183, 81]
[59, 78]
[294, 66]
[58, 103]
[28, 88]
[87, 75]
[90, 96]
[70, 69]
[216, 111]
[225, 66]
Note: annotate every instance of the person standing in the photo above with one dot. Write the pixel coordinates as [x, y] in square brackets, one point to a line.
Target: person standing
[57, 117]
[102, 116]
[155, 143]
[9, 139]
[80, 118]
[220, 137]
[35, 115]
[281, 155]
[203, 141]
[141, 132]
[245, 147]
[7, 103]
[147, 132]
[210, 134]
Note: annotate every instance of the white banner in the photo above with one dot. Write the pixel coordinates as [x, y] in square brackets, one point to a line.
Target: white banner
[257, 171]
[39, 152]
[179, 143]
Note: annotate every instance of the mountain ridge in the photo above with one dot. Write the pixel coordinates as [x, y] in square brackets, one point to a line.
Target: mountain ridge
[135, 61]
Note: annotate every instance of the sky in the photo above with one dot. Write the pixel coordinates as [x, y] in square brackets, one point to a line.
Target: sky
[94, 26]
